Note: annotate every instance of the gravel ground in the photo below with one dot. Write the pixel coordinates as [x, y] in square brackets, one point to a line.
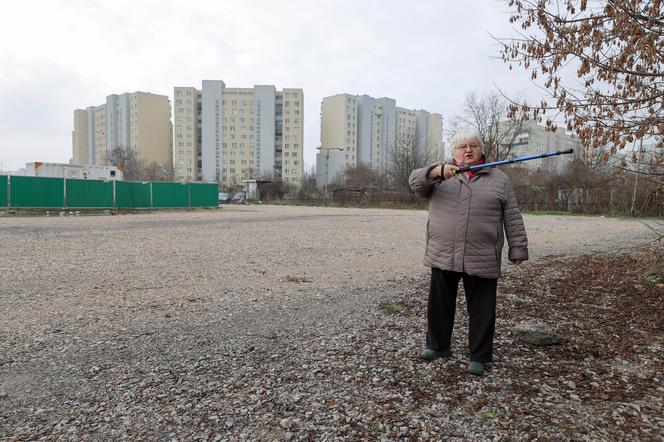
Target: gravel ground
[267, 323]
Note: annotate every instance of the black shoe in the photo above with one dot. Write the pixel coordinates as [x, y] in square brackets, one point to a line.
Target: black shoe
[475, 368]
[429, 355]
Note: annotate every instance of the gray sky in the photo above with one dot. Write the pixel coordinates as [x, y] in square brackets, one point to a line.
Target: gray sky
[58, 56]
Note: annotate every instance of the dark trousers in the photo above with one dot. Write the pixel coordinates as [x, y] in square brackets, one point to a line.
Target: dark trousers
[481, 304]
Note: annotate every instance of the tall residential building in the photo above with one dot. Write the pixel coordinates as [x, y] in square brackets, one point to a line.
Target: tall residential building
[366, 130]
[227, 135]
[140, 121]
[534, 139]
[81, 152]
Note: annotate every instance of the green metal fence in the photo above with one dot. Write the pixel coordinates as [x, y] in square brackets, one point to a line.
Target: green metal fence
[170, 194]
[130, 195]
[200, 195]
[38, 192]
[4, 199]
[89, 194]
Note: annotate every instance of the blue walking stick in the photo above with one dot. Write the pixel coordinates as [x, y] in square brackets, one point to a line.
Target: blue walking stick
[515, 160]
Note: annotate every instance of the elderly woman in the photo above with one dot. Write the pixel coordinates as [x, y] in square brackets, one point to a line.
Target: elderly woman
[468, 213]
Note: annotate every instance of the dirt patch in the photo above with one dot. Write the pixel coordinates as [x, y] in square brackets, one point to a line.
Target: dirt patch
[605, 380]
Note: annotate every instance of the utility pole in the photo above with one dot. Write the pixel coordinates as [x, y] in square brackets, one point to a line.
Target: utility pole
[327, 172]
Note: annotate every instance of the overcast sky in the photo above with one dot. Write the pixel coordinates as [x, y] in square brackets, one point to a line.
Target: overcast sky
[57, 56]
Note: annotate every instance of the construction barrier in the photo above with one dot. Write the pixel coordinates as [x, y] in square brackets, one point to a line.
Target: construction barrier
[201, 194]
[88, 194]
[4, 199]
[66, 193]
[36, 192]
[131, 195]
[170, 195]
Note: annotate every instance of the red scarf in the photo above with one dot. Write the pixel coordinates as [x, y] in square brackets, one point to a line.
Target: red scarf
[470, 173]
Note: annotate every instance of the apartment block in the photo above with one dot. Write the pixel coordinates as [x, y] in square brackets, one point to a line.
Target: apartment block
[140, 121]
[228, 135]
[534, 139]
[187, 134]
[81, 152]
[100, 141]
[366, 130]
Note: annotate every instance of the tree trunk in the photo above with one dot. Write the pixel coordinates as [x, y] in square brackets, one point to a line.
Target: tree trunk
[636, 182]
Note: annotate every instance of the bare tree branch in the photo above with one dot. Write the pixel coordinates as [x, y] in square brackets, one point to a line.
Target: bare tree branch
[488, 113]
[617, 47]
[410, 153]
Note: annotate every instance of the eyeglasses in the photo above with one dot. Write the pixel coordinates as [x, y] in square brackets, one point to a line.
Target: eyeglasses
[467, 146]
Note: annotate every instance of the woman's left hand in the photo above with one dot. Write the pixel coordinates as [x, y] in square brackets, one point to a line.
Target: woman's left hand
[516, 262]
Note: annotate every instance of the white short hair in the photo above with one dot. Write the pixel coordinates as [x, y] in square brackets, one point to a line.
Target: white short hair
[467, 133]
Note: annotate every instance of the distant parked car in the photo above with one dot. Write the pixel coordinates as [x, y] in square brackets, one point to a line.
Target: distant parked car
[223, 197]
[238, 198]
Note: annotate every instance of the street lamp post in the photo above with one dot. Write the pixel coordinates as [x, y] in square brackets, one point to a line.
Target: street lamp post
[327, 159]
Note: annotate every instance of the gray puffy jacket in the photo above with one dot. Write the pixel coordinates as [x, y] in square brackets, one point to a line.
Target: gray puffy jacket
[467, 220]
